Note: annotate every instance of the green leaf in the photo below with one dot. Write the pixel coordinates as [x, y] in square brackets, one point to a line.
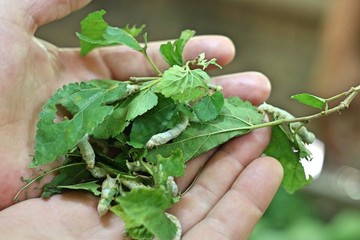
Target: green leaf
[234, 120]
[115, 89]
[139, 232]
[97, 33]
[310, 100]
[89, 108]
[183, 85]
[173, 52]
[171, 165]
[127, 110]
[141, 103]
[134, 31]
[80, 98]
[204, 63]
[67, 176]
[288, 153]
[114, 123]
[93, 28]
[144, 208]
[209, 107]
[114, 35]
[92, 186]
[160, 118]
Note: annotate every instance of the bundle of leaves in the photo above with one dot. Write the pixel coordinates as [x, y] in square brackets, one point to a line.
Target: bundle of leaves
[126, 141]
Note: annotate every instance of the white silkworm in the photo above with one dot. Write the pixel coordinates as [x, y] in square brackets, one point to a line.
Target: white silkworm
[305, 135]
[109, 190]
[130, 89]
[276, 112]
[87, 152]
[131, 184]
[298, 128]
[164, 137]
[171, 184]
[97, 172]
[88, 155]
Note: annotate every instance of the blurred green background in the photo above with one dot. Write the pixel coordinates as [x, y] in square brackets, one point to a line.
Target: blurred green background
[280, 38]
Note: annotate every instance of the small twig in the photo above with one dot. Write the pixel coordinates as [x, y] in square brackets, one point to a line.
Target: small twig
[142, 79]
[192, 182]
[351, 94]
[44, 174]
[144, 52]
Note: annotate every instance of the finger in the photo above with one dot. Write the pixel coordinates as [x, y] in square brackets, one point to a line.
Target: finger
[72, 214]
[41, 12]
[72, 206]
[237, 213]
[251, 86]
[193, 169]
[124, 62]
[218, 175]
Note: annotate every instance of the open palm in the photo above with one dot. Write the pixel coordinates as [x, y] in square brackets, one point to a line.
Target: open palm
[229, 196]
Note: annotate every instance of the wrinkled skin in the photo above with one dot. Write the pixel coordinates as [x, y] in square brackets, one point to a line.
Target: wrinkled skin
[231, 193]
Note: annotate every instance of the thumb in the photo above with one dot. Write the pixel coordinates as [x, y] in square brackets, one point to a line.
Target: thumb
[41, 12]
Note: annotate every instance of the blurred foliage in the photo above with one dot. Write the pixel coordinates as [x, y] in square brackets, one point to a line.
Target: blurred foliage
[295, 217]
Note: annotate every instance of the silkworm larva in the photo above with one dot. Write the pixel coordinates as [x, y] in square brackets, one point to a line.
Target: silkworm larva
[109, 189]
[305, 135]
[131, 184]
[87, 152]
[130, 89]
[98, 172]
[170, 182]
[164, 137]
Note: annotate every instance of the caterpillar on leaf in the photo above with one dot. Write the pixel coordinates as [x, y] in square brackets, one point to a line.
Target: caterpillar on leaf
[164, 137]
[109, 190]
[296, 127]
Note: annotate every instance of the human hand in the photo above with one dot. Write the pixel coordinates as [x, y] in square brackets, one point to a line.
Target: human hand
[32, 70]
[232, 185]
[227, 200]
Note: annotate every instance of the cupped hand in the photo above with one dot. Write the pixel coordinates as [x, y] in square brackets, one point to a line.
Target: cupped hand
[32, 70]
[229, 195]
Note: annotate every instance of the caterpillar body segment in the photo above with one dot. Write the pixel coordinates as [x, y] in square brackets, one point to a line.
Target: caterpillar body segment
[277, 113]
[305, 135]
[130, 89]
[164, 137]
[296, 127]
[172, 186]
[88, 155]
[109, 190]
[97, 172]
[87, 152]
[131, 184]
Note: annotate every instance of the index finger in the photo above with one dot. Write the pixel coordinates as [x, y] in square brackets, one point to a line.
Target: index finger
[124, 62]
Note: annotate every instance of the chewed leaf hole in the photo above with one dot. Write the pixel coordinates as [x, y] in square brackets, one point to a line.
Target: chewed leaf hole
[62, 114]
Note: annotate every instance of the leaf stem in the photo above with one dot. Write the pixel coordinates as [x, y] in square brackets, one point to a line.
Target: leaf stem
[343, 94]
[44, 174]
[142, 79]
[150, 85]
[153, 65]
[351, 94]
